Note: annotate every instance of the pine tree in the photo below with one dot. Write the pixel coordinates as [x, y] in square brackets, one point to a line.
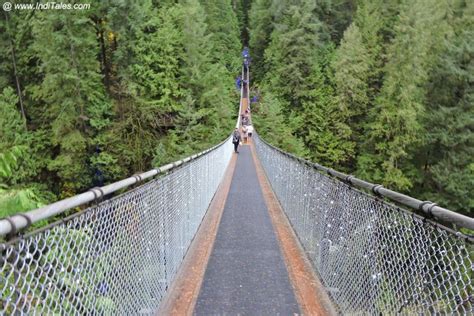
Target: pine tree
[5, 51]
[119, 23]
[153, 96]
[352, 70]
[14, 38]
[241, 8]
[198, 45]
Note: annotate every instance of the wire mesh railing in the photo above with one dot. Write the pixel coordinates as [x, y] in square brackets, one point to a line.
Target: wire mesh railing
[117, 257]
[372, 257]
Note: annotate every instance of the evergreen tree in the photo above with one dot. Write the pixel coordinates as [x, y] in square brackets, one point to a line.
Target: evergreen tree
[273, 125]
[223, 28]
[5, 51]
[71, 91]
[261, 27]
[118, 24]
[241, 8]
[358, 68]
[292, 54]
[104, 90]
[154, 95]
[322, 123]
[299, 74]
[12, 127]
[394, 128]
[206, 118]
[336, 16]
[352, 71]
[14, 37]
[447, 159]
[88, 97]
[179, 96]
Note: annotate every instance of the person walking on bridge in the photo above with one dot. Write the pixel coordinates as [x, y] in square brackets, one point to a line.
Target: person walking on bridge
[246, 56]
[236, 139]
[249, 131]
[244, 131]
[245, 52]
[238, 82]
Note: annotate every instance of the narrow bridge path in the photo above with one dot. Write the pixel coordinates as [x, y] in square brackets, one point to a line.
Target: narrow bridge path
[246, 273]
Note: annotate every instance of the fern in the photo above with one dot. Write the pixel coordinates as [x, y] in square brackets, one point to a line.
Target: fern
[14, 200]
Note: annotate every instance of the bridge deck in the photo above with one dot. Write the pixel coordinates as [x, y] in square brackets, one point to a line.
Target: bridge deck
[246, 273]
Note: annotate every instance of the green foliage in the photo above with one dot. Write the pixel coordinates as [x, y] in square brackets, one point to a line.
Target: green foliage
[261, 27]
[223, 28]
[292, 54]
[358, 67]
[362, 86]
[241, 8]
[298, 61]
[15, 199]
[273, 126]
[9, 161]
[336, 16]
[18, 200]
[12, 127]
[107, 90]
[391, 104]
[76, 112]
[322, 125]
[395, 119]
[447, 157]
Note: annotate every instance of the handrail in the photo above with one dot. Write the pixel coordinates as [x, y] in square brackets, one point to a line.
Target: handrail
[428, 207]
[237, 125]
[21, 220]
[248, 88]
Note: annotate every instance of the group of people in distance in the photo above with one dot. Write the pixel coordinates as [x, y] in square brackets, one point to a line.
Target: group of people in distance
[247, 128]
[247, 132]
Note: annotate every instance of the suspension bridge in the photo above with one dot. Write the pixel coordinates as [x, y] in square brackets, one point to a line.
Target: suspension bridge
[260, 232]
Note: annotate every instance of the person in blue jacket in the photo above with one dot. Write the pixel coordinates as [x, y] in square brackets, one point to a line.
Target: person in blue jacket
[246, 56]
[238, 82]
[245, 53]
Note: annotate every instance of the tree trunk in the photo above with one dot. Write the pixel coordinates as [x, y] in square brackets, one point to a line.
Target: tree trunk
[15, 72]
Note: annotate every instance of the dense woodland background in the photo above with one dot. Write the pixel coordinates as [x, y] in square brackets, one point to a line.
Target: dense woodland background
[89, 97]
[380, 89]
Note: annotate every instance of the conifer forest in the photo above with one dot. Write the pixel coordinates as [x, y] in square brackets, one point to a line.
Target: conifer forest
[383, 90]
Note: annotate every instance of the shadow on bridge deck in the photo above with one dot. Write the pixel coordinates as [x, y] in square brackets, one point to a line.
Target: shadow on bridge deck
[246, 273]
